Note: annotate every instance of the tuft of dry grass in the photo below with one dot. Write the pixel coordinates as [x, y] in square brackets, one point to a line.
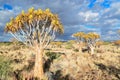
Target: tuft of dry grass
[69, 64]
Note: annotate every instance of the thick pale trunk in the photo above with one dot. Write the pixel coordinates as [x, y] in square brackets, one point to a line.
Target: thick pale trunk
[38, 69]
[80, 47]
[92, 50]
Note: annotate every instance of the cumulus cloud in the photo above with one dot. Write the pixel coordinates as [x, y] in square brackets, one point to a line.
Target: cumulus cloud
[88, 15]
[76, 15]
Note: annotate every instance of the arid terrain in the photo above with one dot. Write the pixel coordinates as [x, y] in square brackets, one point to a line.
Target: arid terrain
[61, 62]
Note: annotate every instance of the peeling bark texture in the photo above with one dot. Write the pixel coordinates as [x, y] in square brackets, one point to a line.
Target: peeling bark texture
[80, 49]
[38, 69]
[92, 50]
[80, 46]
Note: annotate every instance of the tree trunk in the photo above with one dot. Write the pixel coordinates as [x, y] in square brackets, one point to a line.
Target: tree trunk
[80, 47]
[38, 69]
[92, 50]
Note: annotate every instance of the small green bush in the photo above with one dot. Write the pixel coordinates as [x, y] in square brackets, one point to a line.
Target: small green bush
[106, 43]
[53, 55]
[5, 68]
[69, 46]
[76, 50]
[5, 43]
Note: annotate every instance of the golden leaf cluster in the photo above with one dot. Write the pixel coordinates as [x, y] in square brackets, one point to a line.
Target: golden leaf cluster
[85, 36]
[31, 16]
[79, 34]
[93, 35]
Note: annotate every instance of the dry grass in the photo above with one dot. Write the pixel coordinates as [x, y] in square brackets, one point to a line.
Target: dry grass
[70, 65]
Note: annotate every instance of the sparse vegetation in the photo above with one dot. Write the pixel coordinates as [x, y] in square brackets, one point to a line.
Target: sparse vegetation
[76, 50]
[34, 54]
[63, 64]
[69, 45]
[53, 55]
[6, 70]
[36, 29]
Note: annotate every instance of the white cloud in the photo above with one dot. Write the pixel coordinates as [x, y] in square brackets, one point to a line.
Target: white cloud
[5, 14]
[111, 32]
[88, 15]
[73, 14]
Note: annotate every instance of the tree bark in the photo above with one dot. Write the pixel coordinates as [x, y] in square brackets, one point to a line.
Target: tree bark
[92, 50]
[80, 47]
[38, 69]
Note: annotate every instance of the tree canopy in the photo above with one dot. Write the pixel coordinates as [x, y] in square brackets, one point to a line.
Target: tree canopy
[36, 28]
[89, 38]
[39, 25]
[78, 36]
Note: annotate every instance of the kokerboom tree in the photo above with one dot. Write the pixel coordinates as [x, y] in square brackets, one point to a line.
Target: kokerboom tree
[79, 37]
[35, 28]
[91, 39]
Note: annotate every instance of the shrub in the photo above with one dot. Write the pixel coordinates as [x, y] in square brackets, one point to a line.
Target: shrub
[69, 46]
[5, 68]
[106, 43]
[5, 43]
[72, 41]
[53, 55]
[76, 50]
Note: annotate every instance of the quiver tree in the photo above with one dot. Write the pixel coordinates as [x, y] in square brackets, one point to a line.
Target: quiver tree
[35, 28]
[79, 38]
[91, 39]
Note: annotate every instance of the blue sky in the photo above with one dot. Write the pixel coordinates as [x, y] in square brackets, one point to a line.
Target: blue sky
[101, 16]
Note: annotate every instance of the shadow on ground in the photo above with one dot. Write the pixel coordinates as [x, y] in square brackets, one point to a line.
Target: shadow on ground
[109, 69]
